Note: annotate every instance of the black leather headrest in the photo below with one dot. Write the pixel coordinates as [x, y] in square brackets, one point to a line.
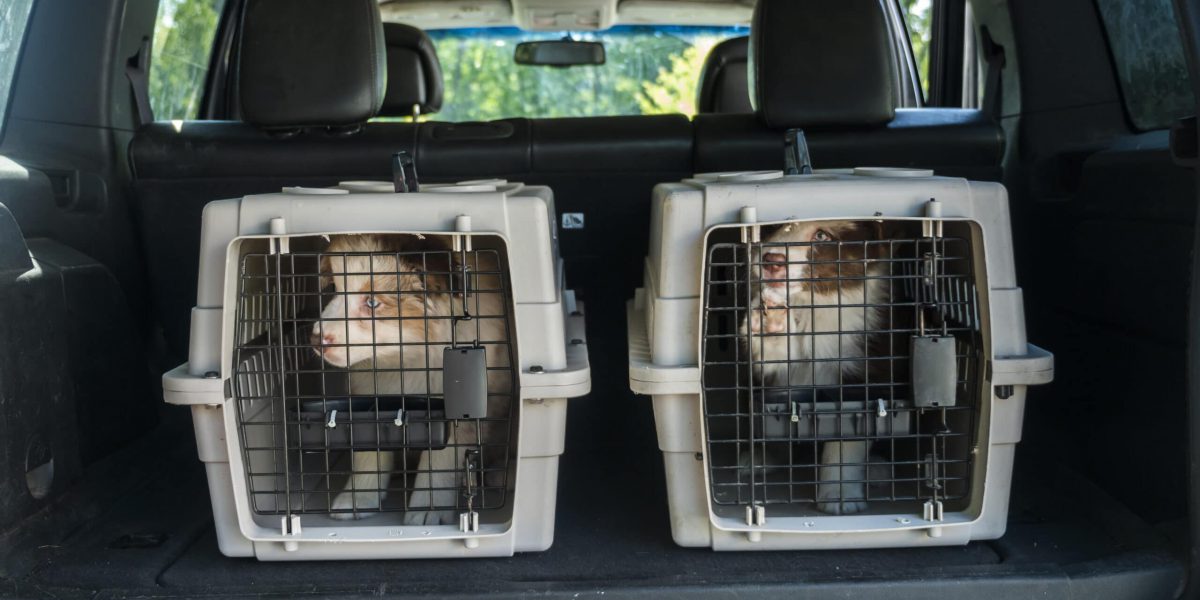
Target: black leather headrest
[311, 62]
[723, 86]
[820, 63]
[414, 73]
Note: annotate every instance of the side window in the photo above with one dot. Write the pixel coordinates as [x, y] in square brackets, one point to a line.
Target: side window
[948, 31]
[183, 42]
[14, 18]
[1148, 55]
[918, 16]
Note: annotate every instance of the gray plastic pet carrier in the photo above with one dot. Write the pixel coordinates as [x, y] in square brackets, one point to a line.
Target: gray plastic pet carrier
[382, 375]
[836, 360]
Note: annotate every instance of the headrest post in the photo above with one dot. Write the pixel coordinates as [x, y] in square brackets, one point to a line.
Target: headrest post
[796, 159]
[404, 173]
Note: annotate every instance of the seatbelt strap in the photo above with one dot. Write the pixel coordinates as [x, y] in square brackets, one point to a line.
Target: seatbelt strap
[993, 92]
[137, 72]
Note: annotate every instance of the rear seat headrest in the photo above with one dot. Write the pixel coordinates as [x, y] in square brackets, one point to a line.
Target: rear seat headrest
[311, 62]
[820, 63]
[723, 86]
[413, 72]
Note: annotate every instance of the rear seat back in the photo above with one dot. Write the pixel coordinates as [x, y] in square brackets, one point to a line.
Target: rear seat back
[826, 66]
[603, 168]
[954, 142]
[310, 73]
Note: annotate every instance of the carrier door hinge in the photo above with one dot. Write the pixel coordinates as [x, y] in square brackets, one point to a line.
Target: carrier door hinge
[751, 232]
[756, 515]
[931, 225]
[290, 525]
[933, 511]
[934, 514]
[279, 239]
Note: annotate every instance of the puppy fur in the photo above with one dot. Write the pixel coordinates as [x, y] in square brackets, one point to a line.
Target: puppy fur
[815, 296]
[388, 324]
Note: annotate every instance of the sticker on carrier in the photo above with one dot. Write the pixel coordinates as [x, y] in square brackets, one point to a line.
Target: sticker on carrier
[373, 374]
[840, 367]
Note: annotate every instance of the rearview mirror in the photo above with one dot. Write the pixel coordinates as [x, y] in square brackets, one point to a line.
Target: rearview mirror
[559, 53]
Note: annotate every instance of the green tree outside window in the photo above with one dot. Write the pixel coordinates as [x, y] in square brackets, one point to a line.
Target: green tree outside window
[183, 42]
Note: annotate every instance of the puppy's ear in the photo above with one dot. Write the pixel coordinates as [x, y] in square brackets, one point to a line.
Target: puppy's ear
[768, 231]
[437, 270]
[877, 230]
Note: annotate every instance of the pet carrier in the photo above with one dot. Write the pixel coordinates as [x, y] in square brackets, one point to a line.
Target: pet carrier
[836, 359]
[376, 374]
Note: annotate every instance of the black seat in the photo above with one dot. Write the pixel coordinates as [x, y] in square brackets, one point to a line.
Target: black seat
[307, 125]
[414, 74]
[311, 136]
[723, 87]
[304, 96]
[826, 66]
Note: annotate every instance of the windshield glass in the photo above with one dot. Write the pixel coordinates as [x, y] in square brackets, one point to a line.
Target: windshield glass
[649, 70]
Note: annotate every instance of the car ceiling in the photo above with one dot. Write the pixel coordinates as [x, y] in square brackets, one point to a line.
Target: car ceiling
[564, 15]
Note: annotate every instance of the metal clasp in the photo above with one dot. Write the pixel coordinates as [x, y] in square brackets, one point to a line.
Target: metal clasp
[468, 521]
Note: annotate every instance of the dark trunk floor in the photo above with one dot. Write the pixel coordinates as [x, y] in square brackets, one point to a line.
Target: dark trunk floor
[146, 531]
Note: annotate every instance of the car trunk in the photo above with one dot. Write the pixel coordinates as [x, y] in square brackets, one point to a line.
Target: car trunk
[103, 495]
[139, 523]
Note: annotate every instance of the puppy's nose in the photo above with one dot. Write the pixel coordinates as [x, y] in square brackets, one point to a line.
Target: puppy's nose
[321, 340]
[774, 267]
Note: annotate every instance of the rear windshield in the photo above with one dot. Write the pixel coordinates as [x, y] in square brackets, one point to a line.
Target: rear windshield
[649, 70]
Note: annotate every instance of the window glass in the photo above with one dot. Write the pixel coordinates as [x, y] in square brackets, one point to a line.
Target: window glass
[649, 70]
[183, 40]
[918, 15]
[1148, 55]
[14, 17]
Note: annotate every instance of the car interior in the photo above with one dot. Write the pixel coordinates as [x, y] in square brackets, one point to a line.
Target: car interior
[101, 203]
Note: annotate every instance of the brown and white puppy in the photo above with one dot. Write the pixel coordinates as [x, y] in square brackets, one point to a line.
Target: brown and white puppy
[388, 323]
[822, 289]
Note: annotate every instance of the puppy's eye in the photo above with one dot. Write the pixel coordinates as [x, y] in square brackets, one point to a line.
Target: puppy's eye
[371, 303]
[822, 236]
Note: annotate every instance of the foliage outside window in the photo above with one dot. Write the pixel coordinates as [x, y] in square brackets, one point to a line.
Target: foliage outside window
[14, 18]
[1148, 55]
[183, 43]
[649, 70]
[918, 15]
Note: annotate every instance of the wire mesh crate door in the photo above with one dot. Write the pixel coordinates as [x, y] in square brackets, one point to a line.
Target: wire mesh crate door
[807, 357]
[339, 378]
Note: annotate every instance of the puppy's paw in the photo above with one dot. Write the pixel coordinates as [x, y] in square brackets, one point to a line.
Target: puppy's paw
[355, 505]
[842, 508]
[429, 517]
[428, 508]
[768, 319]
[828, 496]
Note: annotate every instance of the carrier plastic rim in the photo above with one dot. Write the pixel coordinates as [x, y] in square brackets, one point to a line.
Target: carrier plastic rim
[892, 172]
